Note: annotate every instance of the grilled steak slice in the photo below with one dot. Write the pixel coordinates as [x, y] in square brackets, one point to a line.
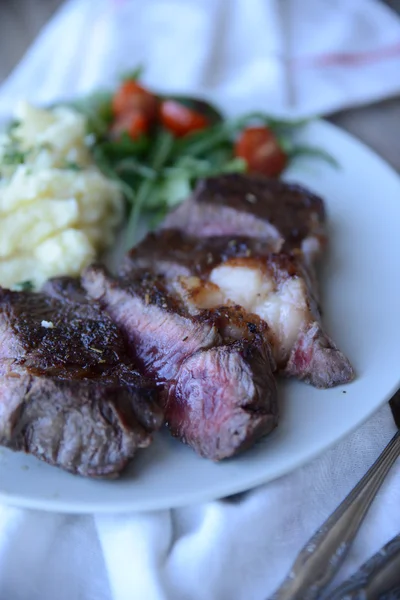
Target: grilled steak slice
[68, 392]
[286, 215]
[221, 393]
[171, 253]
[211, 272]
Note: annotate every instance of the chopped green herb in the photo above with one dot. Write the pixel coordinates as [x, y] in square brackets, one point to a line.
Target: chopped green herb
[71, 166]
[12, 126]
[133, 75]
[24, 286]
[13, 155]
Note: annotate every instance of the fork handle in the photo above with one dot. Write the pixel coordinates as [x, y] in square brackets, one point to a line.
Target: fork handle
[323, 554]
[379, 576]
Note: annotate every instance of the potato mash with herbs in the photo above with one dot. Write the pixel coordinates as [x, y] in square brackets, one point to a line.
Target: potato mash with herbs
[57, 210]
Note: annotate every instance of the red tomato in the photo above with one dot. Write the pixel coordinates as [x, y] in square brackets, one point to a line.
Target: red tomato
[132, 96]
[134, 123]
[180, 119]
[260, 149]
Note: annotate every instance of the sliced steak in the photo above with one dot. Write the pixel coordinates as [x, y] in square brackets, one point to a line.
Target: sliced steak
[277, 289]
[286, 215]
[215, 365]
[172, 253]
[68, 392]
[211, 272]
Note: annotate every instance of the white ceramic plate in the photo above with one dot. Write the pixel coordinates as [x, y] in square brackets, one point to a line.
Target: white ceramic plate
[361, 299]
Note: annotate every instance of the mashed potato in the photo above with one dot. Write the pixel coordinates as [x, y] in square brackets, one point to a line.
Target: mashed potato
[57, 210]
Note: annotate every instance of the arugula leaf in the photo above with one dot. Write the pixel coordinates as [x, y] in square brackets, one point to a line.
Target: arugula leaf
[97, 109]
[162, 148]
[203, 141]
[260, 118]
[298, 151]
[134, 166]
[125, 147]
[163, 145]
[155, 217]
[134, 75]
[139, 201]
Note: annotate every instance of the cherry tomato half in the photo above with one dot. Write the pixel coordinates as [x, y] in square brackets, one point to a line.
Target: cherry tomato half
[135, 123]
[181, 120]
[132, 96]
[260, 149]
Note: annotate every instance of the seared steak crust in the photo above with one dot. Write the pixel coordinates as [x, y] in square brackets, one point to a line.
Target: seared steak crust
[172, 253]
[68, 392]
[160, 331]
[288, 216]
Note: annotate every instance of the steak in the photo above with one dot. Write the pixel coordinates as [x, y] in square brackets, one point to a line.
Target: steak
[278, 289]
[216, 366]
[211, 272]
[69, 394]
[287, 216]
[171, 253]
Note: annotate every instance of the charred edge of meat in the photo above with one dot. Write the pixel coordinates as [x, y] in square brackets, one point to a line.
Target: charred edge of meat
[51, 334]
[150, 287]
[85, 427]
[316, 359]
[69, 393]
[95, 437]
[236, 204]
[266, 190]
[171, 253]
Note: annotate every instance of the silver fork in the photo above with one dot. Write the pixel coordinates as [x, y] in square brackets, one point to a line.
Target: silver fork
[379, 577]
[323, 554]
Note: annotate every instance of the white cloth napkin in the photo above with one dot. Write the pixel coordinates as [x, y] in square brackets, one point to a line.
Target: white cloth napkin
[293, 58]
[307, 57]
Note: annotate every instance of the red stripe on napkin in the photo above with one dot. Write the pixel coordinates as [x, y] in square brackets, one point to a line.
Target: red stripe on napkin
[348, 59]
